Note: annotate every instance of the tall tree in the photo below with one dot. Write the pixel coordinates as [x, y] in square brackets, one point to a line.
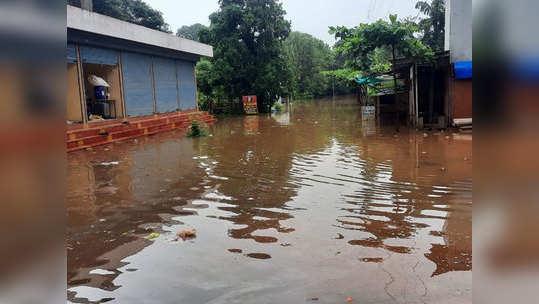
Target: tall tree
[134, 11]
[191, 31]
[433, 27]
[306, 58]
[247, 37]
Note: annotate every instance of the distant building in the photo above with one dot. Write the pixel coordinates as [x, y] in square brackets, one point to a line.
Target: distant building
[458, 41]
[440, 92]
[149, 76]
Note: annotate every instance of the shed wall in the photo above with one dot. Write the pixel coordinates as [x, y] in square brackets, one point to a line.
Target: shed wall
[137, 75]
[166, 84]
[187, 86]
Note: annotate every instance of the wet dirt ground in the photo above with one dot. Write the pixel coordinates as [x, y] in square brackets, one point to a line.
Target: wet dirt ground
[310, 206]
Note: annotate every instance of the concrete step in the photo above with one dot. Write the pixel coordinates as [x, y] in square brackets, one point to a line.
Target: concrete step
[77, 139]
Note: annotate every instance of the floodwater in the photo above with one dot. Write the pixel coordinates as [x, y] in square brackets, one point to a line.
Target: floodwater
[312, 205]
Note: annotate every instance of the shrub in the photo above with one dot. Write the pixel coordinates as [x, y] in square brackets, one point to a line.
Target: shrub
[196, 131]
[278, 107]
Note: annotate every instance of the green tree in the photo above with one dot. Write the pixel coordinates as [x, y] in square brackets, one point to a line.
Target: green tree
[247, 37]
[369, 48]
[191, 31]
[134, 11]
[432, 28]
[306, 58]
[361, 45]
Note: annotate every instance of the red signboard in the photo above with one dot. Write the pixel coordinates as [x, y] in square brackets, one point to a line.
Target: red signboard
[249, 105]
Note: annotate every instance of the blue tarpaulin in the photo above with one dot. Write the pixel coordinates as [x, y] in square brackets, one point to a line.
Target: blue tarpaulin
[463, 70]
[71, 53]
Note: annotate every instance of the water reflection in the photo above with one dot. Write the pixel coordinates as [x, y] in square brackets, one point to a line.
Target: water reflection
[311, 195]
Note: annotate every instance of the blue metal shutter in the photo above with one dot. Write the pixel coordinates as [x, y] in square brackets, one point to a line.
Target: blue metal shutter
[95, 55]
[186, 85]
[164, 71]
[71, 54]
[137, 84]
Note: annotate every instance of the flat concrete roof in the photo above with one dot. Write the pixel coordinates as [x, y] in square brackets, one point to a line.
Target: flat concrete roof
[87, 21]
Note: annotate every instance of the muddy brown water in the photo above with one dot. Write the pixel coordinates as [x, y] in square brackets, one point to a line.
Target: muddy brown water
[310, 204]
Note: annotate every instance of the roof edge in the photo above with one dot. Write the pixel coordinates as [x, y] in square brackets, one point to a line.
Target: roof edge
[92, 22]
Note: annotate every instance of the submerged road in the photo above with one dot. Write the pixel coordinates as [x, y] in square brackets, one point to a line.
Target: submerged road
[312, 205]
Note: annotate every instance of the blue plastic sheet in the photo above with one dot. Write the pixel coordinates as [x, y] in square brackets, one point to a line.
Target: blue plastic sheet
[463, 70]
[71, 53]
[96, 55]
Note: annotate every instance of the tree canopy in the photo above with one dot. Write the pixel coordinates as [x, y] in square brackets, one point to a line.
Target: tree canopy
[191, 31]
[247, 38]
[432, 28]
[134, 11]
[365, 47]
[307, 57]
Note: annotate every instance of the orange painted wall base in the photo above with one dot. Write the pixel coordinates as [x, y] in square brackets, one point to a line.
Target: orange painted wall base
[462, 98]
[104, 132]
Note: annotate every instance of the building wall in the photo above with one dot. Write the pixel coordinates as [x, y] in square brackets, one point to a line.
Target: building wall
[462, 98]
[458, 29]
[151, 84]
[73, 99]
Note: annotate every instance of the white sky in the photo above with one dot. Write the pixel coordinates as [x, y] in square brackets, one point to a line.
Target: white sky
[309, 16]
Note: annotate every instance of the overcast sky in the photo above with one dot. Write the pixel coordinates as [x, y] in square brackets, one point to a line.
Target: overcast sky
[309, 16]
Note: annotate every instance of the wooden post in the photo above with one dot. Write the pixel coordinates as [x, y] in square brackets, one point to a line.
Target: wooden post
[82, 89]
[153, 86]
[122, 95]
[196, 84]
[416, 85]
[178, 108]
[431, 95]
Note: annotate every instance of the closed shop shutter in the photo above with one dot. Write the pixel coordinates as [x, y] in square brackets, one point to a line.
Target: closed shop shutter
[166, 92]
[136, 69]
[186, 85]
[71, 55]
[95, 55]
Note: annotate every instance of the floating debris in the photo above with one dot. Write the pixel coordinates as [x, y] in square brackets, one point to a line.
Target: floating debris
[152, 235]
[372, 260]
[112, 163]
[101, 272]
[186, 234]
